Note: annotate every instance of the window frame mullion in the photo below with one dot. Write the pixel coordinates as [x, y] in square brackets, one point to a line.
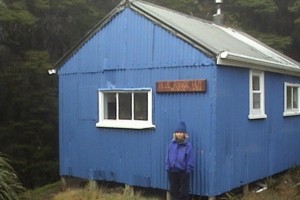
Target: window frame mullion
[117, 105]
[132, 105]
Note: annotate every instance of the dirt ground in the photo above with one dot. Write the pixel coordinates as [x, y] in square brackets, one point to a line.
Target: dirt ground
[284, 186]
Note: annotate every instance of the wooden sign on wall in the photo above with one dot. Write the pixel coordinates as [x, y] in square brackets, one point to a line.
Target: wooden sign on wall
[181, 86]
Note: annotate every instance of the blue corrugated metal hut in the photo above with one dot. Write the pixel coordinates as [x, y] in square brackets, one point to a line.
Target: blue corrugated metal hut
[143, 68]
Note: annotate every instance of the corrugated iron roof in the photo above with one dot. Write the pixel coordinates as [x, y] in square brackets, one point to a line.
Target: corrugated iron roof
[227, 46]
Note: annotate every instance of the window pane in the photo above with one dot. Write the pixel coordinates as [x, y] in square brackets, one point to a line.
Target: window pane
[256, 100]
[295, 97]
[255, 83]
[125, 106]
[289, 97]
[141, 106]
[110, 106]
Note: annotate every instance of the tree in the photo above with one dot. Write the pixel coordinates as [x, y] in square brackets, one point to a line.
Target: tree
[294, 8]
[29, 128]
[15, 21]
[60, 24]
[32, 33]
[10, 185]
[267, 20]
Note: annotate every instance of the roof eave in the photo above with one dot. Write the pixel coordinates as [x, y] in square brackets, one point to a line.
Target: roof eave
[95, 29]
[207, 50]
[236, 60]
[230, 59]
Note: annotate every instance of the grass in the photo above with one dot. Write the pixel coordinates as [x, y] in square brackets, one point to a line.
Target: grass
[43, 193]
[89, 192]
[284, 186]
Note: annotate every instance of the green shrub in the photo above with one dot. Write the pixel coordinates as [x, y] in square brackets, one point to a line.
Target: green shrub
[10, 185]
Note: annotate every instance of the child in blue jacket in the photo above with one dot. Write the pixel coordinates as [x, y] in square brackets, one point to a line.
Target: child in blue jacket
[179, 163]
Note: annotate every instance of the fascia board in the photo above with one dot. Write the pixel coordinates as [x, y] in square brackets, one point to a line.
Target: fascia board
[236, 60]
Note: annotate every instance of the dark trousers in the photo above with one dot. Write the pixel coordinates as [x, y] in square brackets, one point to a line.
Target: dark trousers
[179, 185]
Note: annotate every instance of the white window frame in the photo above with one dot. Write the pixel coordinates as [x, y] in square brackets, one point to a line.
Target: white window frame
[121, 123]
[293, 111]
[255, 113]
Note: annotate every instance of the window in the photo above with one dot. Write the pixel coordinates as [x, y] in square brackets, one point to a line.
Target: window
[291, 99]
[125, 108]
[256, 95]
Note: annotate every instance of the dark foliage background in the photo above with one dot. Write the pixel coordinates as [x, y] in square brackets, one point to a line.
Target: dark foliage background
[34, 34]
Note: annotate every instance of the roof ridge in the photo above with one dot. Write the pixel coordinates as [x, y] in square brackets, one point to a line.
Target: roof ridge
[204, 35]
[173, 11]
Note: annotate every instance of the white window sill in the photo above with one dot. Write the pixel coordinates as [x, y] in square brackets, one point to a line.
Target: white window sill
[127, 124]
[260, 116]
[287, 114]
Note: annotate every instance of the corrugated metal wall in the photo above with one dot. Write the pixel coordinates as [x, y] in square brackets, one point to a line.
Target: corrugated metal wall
[248, 150]
[132, 42]
[131, 51]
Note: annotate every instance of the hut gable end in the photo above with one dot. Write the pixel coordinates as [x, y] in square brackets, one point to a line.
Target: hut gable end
[131, 41]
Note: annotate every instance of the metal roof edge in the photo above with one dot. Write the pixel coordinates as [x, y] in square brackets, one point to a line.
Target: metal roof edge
[121, 6]
[236, 60]
[209, 51]
[231, 59]
[265, 47]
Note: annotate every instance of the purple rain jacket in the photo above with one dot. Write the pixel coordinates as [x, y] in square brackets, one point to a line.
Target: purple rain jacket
[179, 157]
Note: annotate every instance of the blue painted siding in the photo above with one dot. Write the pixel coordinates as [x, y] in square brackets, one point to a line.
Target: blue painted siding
[131, 52]
[248, 150]
[120, 56]
[132, 41]
[131, 156]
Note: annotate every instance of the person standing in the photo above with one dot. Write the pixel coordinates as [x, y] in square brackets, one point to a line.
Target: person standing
[179, 163]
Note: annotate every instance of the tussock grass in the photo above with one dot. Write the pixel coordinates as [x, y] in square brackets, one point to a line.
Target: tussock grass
[89, 192]
[43, 193]
[283, 186]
